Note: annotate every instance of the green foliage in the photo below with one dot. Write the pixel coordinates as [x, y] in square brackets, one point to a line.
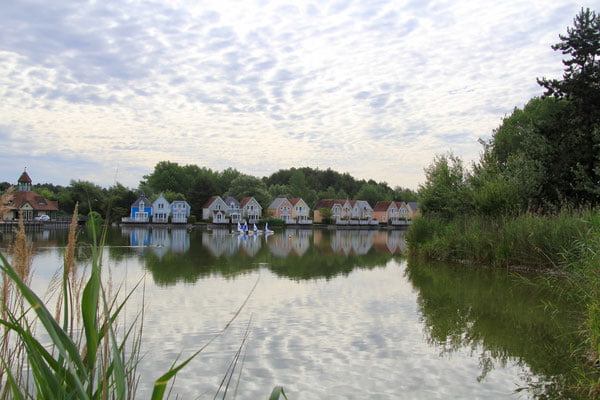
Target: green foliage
[117, 202]
[536, 241]
[171, 177]
[405, 194]
[445, 192]
[577, 142]
[246, 185]
[374, 192]
[203, 187]
[272, 222]
[87, 194]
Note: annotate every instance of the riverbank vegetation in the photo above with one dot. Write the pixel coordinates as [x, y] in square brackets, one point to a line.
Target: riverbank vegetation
[532, 199]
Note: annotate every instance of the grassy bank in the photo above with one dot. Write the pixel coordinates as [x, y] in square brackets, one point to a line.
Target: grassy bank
[567, 242]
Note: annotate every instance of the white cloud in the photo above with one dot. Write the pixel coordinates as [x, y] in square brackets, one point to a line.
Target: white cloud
[266, 86]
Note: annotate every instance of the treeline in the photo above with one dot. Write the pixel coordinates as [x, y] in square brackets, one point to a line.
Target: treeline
[542, 157]
[197, 184]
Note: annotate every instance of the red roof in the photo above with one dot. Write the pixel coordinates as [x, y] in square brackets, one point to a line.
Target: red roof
[328, 203]
[36, 201]
[383, 205]
[24, 178]
[210, 201]
[245, 201]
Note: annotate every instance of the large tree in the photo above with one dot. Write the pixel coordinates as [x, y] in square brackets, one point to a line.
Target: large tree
[577, 141]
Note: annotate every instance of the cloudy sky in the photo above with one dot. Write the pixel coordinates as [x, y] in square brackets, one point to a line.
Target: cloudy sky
[103, 90]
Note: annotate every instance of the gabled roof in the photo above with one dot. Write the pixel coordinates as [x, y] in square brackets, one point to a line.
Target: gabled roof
[413, 205]
[384, 205]
[277, 203]
[328, 203]
[401, 204]
[36, 201]
[247, 200]
[295, 201]
[364, 205]
[140, 199]
[24, 178]
[212, 200]
[160, 198]
[230, 200]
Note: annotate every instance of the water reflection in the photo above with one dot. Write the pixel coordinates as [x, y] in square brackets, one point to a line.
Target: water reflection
[178, 254]
[501, 319]
[158, 239]
[346, 311]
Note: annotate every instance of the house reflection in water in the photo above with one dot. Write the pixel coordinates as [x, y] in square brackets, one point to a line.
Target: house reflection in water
[393, 242]
[159, 240]
[220, 242]
[292, 242]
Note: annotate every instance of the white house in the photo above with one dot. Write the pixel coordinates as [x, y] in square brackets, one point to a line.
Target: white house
[300, 211]
[234, 210]
[160, 210]
[180, 211]
[251, 209]
[215, 209]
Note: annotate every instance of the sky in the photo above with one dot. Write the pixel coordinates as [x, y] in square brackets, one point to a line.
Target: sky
[104, 90]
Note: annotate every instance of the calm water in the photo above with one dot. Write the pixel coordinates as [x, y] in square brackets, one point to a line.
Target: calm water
[337, 315]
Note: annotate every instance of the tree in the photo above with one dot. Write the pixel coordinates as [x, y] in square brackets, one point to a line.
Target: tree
[245, 186]
[582, 73]
[90, 197]
[445, 191]
[170, 176]
[202, 188]
[405, 194]
[372, 193]
[578, 140]
[118, 201]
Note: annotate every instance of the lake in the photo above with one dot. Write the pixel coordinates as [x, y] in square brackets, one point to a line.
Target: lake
[333, 314]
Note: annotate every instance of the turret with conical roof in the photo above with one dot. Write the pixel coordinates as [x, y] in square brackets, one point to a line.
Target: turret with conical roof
[24, 182]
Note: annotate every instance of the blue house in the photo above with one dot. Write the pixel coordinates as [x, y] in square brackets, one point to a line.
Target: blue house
[141, 209]
[180, 211]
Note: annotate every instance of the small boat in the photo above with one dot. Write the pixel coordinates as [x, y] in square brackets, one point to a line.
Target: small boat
[256, 230]
[240, 230]
[267, 230]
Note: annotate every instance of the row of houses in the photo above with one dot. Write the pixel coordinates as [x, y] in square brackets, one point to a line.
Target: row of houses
[386, 212]
[292, 211]
[297, 211]
[159, 211]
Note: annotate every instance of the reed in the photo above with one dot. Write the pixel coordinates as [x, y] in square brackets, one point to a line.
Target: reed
[535, 241]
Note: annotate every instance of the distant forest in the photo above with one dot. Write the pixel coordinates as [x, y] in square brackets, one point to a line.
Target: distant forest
[197, 184]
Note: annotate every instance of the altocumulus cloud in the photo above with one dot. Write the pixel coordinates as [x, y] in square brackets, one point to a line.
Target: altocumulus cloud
[261, 86]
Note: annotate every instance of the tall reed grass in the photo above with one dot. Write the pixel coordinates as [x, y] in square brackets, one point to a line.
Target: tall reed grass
[80, 353]
[534, 241]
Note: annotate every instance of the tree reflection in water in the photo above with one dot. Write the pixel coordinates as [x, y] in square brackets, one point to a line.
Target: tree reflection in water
[494, 313]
